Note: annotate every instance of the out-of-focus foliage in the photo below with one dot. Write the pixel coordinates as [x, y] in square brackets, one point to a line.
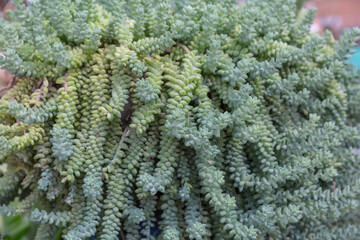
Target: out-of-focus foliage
[15, 228]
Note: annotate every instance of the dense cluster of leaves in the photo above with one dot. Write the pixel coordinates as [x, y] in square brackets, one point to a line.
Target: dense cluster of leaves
[213, 120]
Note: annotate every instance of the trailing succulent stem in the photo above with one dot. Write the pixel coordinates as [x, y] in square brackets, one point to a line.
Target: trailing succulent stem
[205, 119]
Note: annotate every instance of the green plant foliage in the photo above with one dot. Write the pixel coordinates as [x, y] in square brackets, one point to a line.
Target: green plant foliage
[16, 228]
[209, 119]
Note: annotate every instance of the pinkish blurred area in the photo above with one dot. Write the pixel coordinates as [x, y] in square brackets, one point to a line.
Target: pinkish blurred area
[335, 15]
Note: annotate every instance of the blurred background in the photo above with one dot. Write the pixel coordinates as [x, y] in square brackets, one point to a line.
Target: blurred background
[335, 15]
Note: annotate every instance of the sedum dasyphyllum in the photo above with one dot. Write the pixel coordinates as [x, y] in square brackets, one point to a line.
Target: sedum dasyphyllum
[209, 119]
